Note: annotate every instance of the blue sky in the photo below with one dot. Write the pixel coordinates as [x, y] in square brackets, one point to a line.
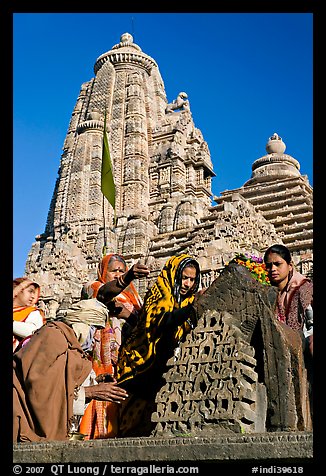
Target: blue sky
[247, 75]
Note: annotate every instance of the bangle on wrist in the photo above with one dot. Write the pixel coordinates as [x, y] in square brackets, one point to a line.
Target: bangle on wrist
[120, 282]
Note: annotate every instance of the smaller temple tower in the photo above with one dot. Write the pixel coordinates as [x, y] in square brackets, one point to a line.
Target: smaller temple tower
[284, 198]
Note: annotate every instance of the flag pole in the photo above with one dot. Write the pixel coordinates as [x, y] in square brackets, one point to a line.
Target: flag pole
[107, 180]
[104, 249]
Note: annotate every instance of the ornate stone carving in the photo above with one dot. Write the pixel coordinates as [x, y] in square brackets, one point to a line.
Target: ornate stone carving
[180, 103]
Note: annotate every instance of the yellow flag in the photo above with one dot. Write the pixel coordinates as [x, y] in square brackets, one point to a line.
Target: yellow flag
[107, 181]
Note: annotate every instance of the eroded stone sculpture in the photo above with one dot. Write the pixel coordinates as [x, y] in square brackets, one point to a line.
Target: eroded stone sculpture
[180, 103]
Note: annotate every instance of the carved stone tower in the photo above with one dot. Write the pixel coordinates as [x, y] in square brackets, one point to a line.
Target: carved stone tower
[161, 164]
[162, 171]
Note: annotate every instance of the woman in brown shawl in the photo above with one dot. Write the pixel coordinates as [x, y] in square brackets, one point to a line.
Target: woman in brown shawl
[49, 373]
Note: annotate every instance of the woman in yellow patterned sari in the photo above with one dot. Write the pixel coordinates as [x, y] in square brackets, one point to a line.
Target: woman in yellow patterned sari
[166, 318]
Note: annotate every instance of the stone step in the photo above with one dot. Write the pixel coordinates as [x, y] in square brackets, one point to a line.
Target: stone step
[293, 447]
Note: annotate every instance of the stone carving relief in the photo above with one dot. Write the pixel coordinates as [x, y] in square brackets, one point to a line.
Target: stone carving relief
[134, 89]
[63, 264]
[165, 174]
[134, 106]
[184, 216]
[134, 78]
[135, 125]
[210, 382]
[181, 102]
[166, 219]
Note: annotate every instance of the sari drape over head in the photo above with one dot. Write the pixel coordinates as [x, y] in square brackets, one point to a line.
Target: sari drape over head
[139, 353]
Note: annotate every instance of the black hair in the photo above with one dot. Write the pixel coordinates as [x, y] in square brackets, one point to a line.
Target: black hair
[185, 263]
[117, 258]
[280, 250]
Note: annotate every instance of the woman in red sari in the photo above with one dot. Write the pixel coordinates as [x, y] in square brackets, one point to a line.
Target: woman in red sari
[294, 304]
[100, 419]
[295, 292]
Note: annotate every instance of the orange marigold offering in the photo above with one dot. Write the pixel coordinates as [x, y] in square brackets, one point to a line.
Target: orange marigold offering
[254, 264]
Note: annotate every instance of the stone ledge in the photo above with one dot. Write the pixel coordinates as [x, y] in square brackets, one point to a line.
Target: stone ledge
[285, 446]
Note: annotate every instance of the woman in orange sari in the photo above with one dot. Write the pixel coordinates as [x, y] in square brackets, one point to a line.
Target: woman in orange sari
[27, 317]
[100, 419]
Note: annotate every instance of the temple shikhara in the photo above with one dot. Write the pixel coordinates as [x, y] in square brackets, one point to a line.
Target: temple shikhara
[238, 388]
[163, 174]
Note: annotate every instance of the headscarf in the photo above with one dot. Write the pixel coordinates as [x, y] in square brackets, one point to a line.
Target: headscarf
[111, 337]
[129, 296]
[19, 284]
[84, 317]
[139, 352]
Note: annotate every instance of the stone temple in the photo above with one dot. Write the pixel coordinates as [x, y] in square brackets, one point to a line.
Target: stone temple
[163, 173]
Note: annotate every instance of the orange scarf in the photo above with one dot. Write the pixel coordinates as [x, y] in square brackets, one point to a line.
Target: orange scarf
[21, 313]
